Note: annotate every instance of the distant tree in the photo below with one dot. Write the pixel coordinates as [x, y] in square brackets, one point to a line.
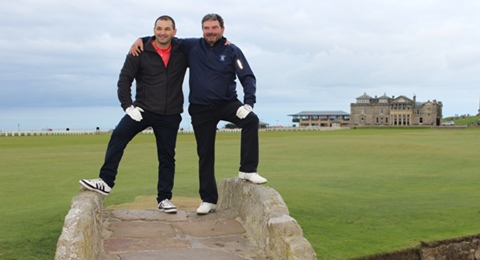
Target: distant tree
[230, 126]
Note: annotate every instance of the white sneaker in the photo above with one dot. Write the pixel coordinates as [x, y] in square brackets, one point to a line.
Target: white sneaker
[206, 208]
[97, 185]
[167, 206]
[252, 176]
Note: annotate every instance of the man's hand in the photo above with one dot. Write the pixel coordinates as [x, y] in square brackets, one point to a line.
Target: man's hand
[137, 47]
[243, 111]
[135, 113]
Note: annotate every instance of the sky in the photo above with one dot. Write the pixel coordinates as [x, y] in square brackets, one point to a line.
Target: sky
[60, 60]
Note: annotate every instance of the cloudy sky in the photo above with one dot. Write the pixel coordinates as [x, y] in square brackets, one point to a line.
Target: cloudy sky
[60, 60]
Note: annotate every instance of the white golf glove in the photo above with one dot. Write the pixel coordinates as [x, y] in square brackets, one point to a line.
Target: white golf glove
[243, 111]
[135, 113]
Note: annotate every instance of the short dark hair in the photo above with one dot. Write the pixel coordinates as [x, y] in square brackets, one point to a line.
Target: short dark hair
[213, 17]
[165, 18]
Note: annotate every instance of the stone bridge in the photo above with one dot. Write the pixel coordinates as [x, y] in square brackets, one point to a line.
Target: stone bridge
[251, 222]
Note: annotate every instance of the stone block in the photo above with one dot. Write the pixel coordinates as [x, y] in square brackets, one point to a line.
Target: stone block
[266, 219]
[81, 236]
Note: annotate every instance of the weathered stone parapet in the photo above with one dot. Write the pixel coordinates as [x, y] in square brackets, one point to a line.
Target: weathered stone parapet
[460, 248]
[81, 236]
[266, 219]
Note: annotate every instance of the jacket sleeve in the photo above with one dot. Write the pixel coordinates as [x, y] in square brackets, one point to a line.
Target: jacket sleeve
[145, 39]
[246, 77]
[187, 43]
[125, 80]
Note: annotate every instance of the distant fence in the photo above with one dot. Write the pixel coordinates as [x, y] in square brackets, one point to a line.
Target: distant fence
[32, 133]
[275, 129]
[150, 131]
[270, 129]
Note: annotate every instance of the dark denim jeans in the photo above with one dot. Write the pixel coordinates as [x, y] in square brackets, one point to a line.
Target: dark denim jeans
[205, 120]
[165, 128]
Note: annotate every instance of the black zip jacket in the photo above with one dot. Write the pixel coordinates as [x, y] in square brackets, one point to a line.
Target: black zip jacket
[158, 89]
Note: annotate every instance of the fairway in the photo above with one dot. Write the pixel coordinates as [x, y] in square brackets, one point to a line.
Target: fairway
[354, 192]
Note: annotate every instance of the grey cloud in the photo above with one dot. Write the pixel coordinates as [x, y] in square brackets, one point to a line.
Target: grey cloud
[311, 55]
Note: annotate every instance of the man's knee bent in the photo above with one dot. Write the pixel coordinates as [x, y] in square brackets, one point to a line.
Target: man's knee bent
[251, 119]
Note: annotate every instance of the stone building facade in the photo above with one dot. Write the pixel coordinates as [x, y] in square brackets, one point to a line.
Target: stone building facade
[394, 111]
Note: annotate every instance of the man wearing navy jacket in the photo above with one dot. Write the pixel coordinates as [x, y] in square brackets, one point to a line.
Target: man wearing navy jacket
[213, 97]
[214, 66]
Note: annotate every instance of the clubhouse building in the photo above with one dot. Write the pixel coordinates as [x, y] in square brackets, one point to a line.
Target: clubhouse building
[321, 119]
[394, 111]
[375, 111]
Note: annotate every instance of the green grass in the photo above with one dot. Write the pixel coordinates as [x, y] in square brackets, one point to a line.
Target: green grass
[464, 120]
[354, 192]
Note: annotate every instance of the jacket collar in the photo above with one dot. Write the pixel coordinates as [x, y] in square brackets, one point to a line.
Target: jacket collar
[220, 42]
[149, 46]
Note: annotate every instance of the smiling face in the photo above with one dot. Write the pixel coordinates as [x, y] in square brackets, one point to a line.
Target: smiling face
[164, 31]
[212, 31]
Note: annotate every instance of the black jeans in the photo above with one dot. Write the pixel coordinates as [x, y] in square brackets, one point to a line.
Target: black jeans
[165, 128]
[205, 119]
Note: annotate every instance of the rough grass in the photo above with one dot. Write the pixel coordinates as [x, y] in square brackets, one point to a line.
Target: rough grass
[354, 192]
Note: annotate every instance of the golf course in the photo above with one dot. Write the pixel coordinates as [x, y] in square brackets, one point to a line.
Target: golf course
[354, 192]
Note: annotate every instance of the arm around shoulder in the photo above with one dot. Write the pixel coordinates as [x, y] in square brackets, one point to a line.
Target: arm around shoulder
[137, 46]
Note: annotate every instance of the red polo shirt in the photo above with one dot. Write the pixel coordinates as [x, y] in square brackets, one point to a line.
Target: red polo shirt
[164, 53]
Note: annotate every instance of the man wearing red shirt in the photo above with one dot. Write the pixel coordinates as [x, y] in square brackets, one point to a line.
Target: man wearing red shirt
[158, 104]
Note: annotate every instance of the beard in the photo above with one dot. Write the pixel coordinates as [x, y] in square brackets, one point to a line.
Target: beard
[212, 38]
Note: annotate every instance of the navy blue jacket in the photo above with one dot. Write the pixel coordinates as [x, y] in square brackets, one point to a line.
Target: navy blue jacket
[213, 71]
[159, 89]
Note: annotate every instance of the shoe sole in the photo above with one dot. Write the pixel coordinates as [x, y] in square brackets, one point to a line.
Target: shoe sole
[205, 213]
[171, 211]
[89, 187]
[252, 181]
